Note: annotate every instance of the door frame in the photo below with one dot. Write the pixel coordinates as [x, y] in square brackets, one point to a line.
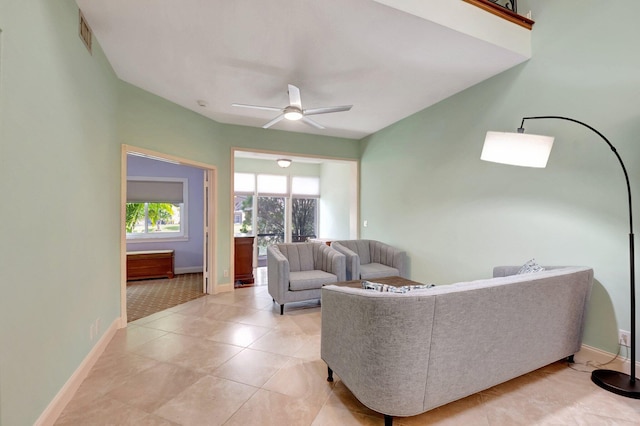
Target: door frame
[209, 261]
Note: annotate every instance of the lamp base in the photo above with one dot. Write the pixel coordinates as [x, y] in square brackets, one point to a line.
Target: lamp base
[616, 382]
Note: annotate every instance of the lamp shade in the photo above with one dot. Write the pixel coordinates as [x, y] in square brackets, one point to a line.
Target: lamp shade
[517, 149]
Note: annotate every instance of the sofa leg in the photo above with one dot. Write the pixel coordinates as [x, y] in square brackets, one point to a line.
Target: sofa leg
[570, 359]
[329, 374]
[388, 420]
[282, 309]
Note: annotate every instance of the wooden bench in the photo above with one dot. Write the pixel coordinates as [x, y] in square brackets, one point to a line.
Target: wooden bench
[150, 264]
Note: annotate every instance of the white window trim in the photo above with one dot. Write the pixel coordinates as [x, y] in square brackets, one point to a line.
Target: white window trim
[184, 214]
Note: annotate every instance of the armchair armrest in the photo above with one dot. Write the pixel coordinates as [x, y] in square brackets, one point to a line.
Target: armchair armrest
[395, 257]
[332, 261]
[278, 273]
[352, 261]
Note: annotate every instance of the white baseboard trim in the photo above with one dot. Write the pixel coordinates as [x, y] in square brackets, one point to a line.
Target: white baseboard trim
[66, 393]
[188, 270]
[595, 355]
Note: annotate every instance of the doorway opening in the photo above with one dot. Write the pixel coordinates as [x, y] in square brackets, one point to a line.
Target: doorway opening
[178, 224]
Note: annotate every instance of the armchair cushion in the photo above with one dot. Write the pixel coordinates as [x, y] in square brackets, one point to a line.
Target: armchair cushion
[308, 280]
[377, 270]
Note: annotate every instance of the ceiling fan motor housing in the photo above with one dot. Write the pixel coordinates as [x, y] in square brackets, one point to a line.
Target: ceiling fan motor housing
[292, 113]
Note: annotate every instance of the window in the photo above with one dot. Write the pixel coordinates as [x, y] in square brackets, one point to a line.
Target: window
[304, 212]
[277, 200]
[156, 208]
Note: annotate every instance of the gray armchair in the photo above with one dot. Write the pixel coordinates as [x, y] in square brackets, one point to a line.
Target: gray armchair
[298, 271]
[370, 259]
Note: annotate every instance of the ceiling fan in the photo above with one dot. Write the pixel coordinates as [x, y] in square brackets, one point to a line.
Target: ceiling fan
[295, 111]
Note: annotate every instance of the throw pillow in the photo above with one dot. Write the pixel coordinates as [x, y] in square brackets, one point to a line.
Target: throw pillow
[530, 267]
[368, 285]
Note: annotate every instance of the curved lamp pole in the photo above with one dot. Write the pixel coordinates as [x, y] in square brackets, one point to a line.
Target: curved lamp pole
[533, 151]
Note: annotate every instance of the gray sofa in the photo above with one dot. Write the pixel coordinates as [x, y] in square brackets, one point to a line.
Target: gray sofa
[404, 354]
[297, 271]
[370, 259]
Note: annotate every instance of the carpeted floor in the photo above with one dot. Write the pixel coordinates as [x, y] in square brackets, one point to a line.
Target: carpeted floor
[146, 297]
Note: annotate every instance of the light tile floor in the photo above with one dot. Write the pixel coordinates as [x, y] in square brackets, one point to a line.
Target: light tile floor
[231, 359]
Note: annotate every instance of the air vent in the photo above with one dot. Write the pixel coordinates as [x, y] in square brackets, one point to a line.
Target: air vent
[85, 32]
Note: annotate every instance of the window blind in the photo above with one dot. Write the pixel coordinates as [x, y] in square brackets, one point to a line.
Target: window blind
[154, 191]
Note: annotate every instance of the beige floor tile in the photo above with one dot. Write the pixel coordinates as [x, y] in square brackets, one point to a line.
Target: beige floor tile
[332, 415]
[251, 367]
[467, 411]
[517, 410]
[112, 371]
[130, 337]
[279, 342]
[170, 322]
[189, 352]
[105, 411]
[155, 386]
[152, 317]
[228, 312]
[194, 308]
[341, 396]
[264, 318]
[310, 350]
[210, 401]
[599, 401]
[256, 302]
[240, 334]
[201, 327]
[267, 408]
[302, 379]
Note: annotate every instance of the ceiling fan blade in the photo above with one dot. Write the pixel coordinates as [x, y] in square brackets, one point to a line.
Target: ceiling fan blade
[294, 96]
[266, 108]
[274, 121]
[312, 122]
[327, 110]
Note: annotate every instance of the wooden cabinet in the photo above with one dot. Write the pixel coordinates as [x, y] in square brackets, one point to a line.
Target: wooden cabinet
[149, 264]
[243, 260]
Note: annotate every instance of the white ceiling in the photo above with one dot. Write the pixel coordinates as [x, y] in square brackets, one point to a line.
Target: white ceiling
[387, 63]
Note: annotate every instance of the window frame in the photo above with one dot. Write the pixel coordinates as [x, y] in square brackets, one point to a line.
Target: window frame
[183, 234]
[289, 195]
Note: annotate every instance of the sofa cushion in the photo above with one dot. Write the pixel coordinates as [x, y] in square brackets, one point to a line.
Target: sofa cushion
[310, 280]
[377, 270]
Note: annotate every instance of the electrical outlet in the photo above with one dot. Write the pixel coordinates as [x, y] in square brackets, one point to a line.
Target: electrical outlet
[92, 332]
[624, 338]
[98, 326]
[225, 272]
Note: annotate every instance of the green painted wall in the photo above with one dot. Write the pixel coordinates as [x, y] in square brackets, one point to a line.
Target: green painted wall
[337, 188]
[59, 180]
[148, 121]
[63, 118]
[425, 189]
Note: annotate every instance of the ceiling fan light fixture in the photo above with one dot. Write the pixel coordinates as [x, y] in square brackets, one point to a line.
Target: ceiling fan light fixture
[292, 113]
[283, 162]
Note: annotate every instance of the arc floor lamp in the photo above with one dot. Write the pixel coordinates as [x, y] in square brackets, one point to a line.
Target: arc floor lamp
[529, 150]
